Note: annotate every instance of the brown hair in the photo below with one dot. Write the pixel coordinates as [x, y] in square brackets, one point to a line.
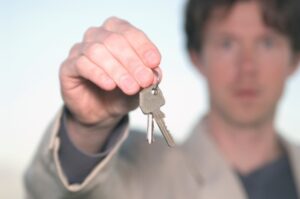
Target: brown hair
[281, 15]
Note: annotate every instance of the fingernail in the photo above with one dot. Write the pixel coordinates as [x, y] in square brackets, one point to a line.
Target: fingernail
[108, 81]
[129, 84]
[144, 76]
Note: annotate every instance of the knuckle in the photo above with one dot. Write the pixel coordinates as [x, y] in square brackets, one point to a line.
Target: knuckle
[79, 63]
[95, 74]
[113, 38]
[133, 32]
[101, 79]
[74, 49]
[80, 60]
[91, 73]
[94, 50]
[113, 18]
[133, 63]
[114, 22]
[67, 64]
[142, 43]
[63, 66]
[111, 22]
[83, 68]
[89, 33]
[144, 47]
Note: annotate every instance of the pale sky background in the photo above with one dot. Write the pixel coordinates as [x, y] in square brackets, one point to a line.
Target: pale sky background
[35, 38]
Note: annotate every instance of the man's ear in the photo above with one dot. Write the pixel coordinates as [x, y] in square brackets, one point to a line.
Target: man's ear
[198, 61]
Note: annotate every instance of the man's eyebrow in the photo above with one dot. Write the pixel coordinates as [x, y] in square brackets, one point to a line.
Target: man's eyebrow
[221, 34]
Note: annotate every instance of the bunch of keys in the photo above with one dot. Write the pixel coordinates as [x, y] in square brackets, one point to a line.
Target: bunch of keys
[151, 99]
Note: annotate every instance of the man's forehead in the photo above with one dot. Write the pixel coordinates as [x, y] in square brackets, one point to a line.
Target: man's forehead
[241, 12]
[241, 16]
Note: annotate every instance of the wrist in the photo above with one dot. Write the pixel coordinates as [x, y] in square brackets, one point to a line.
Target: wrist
[89, 138]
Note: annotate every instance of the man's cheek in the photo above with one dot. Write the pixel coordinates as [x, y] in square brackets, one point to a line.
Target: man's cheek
[273, 89]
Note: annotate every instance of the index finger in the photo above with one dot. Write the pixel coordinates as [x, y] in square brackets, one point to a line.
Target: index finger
[139, 41]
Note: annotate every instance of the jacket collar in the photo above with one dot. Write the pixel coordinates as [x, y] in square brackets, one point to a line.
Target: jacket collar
[213, 172]
[208, 166]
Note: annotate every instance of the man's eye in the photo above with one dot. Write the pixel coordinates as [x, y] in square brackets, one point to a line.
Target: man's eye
[268, 43]
[226, 44]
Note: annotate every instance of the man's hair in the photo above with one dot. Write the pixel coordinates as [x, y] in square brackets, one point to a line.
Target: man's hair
[281, 15]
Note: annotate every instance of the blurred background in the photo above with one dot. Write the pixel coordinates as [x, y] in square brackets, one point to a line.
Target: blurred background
[35, 38]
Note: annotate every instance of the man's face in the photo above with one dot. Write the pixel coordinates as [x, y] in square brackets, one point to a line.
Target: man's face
[246, 64]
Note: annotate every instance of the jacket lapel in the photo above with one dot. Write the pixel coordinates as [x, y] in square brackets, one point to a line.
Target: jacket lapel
[293, 152]
[211, 171]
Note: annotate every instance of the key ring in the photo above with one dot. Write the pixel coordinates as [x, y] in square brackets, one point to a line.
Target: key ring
[158, 78]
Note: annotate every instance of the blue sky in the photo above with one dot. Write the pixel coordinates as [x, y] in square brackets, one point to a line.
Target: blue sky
[36, 37]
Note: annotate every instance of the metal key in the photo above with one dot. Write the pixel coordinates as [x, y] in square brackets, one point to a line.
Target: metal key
[144, 105]
[150, 127]
[151, 99]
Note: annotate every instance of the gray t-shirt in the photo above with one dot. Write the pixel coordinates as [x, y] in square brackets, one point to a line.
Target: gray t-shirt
[272, 181]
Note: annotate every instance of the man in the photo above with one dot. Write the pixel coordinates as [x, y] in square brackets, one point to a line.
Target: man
[246, 50]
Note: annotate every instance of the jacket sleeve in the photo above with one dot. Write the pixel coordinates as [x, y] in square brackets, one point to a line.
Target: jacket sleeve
[77, 164]
[45, 178]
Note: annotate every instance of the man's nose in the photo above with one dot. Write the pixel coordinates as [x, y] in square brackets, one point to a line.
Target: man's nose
[247, 64]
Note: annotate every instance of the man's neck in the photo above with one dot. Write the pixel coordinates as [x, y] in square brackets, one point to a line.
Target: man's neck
[246, 149]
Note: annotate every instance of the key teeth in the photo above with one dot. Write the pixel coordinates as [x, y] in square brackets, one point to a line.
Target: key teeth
[159, 114]
[171, 145]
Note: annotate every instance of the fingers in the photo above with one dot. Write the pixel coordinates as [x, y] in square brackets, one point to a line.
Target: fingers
[142, 45]
[102, 58]
[88, 70]
[122, 51]
[116, 54]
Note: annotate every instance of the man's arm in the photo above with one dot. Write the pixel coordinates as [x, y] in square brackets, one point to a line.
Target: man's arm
[77, 164]
[45, 177]
[100, 81]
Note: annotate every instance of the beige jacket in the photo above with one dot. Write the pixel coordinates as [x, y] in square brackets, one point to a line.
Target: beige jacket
[136, 170]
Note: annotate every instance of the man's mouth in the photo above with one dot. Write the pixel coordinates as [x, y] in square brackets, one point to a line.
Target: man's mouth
[246, 93]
